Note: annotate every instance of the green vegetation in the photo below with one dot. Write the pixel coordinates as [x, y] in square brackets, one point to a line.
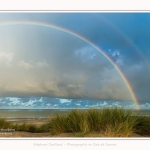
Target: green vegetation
[116, 122]
[58, 124]
[143, 125]
[4, 124]
[77, 121]
[31, 127]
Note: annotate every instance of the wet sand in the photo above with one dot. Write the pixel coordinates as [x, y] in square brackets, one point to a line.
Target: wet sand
[35, 121]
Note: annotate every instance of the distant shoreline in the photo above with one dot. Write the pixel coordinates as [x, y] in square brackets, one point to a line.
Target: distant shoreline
[42, 115]
[116, 122]
[28, 120]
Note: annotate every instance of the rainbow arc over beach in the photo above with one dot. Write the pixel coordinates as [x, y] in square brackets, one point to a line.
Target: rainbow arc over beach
[48, 25]
[127, 40]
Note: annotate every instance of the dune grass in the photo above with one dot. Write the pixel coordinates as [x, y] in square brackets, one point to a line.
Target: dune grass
[58, 124]
[77, 121]
[143, 125]
[110, 122]
[4, 124]
[31, 127]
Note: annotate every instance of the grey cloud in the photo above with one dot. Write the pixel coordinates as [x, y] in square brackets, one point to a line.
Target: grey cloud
[48, 62]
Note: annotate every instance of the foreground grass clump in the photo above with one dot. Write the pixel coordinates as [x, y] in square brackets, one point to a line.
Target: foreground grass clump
[58, 124]
[43, 128]
[94, 118]
[117, 122]
[75, 121]
[78, 121]
[108, 122]
[111, 122]
[4, 124]
[25, 127]
[143, 125]
[31, 127]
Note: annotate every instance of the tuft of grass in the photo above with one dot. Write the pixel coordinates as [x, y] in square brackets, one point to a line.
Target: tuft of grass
[58, 124]
[22, 127]
[16, 127]
[94, 119]
[44, 128]
[118, 122]
[120, 130]
[32, 128]
[110, 122]
[5, 124]
[143, 125]
[78, 122]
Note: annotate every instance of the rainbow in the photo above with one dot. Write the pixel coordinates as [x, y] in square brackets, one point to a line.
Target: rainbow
[48, 25]
[126, 39]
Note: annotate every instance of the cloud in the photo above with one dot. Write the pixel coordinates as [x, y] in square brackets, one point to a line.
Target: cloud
[25, 65]
[138, 76]
[65, 101]
[75, 86]
[6, 58]
[47, 102]
[47, 62]
[60, 69]
[31, 65]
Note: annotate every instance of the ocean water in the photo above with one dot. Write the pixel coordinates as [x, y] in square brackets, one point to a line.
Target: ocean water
[32, 114]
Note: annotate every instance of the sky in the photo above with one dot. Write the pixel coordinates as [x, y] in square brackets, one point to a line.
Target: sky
[59, 66]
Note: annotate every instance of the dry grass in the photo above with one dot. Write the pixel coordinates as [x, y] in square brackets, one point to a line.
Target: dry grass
[116, 122]
[111, 122]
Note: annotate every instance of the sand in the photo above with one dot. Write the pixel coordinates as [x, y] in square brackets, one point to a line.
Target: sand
[35, 121]
[21, 134]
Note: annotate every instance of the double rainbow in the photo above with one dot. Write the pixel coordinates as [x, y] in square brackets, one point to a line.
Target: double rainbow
[48, 25]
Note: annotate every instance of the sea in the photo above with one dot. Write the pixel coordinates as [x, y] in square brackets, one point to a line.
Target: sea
[15, 115]
[33, 114]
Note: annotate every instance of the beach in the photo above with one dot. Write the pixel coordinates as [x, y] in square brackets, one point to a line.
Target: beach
[36, 121]
[40, 121]
[21, 134]
[33, 124]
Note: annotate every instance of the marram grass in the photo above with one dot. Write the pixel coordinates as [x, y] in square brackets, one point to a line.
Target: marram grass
[109, 122]
[4, 124]
[77, 121]
[58, 124]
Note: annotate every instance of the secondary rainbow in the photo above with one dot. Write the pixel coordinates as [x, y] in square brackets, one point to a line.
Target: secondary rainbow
[48, 25]
[126, 39]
